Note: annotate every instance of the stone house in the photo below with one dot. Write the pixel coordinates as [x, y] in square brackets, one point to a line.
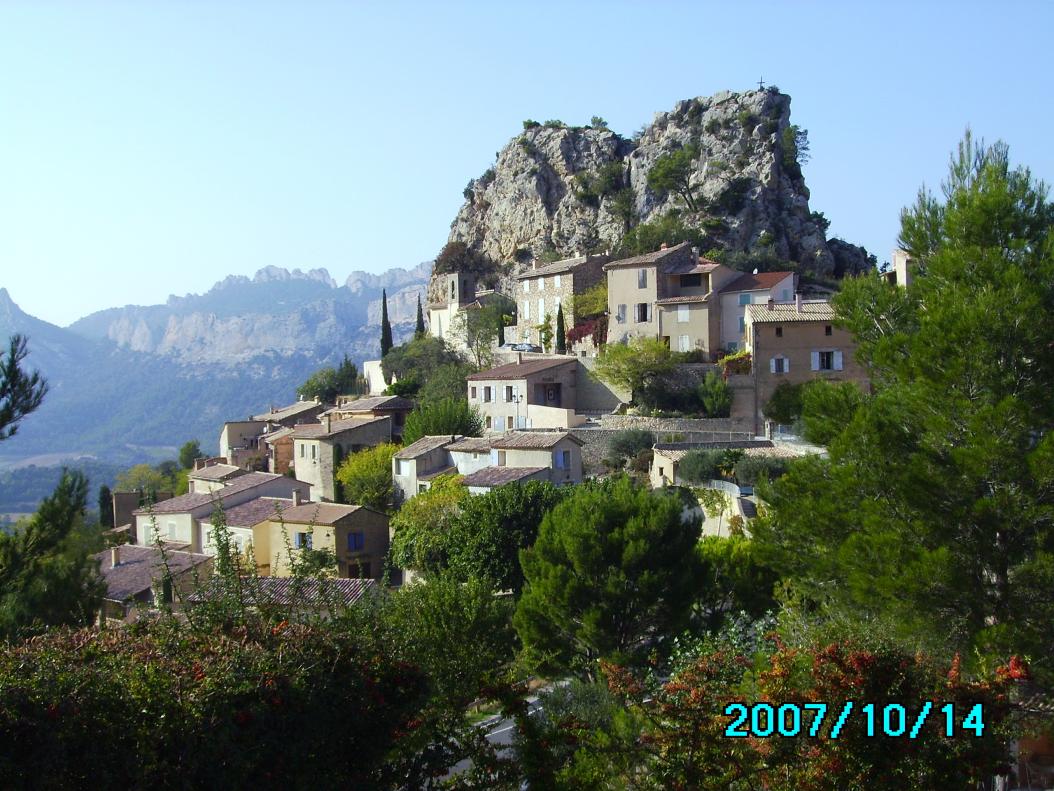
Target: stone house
[289, 416]
[670, 294]
[139, 576]
[797, 343]
[751, 289]
[357, 535]
[205, 478]
[543, 287]
[240, 443]
[279, 450]
[182, 520]
[447, 296]
[318, 448]
[532, 394]
[394, 406]
[489, 461]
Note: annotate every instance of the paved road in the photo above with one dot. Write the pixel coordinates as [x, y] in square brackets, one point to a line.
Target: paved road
[500, 732]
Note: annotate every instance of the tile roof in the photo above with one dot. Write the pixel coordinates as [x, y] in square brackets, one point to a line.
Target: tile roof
[499, 476]
[274, 436]
[255, 511]
[785, 312]
[429, 476]
[684, 299]
[285, 591]
[381, 403]
[648, 258]
[527, 440]
[557, 267]
[319, 513]
[282, 413]
[675, 451]
[689, 267]
[189, 502]
[473, 444]
[138, 566]
[752, 282]
[426, 445]
[318, 430]
[520, 370]
[216, 472]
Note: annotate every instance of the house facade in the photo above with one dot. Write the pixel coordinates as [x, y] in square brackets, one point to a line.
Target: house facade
[181, 520]
[392, 406]
[357, 535]
[289, 416]
[532, 394]
[318, 448]
[240, 443]
[544, 287]
[670, 294]
[205, 478]
[795, 343]
[751, 289]
[448, 295]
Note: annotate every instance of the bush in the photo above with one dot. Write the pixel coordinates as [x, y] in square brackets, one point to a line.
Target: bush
[699, 466]
[751, 469]
[626, 444]
[449, 416]
[642, 461]
[366, 477]
[785, 405]
[715, 396]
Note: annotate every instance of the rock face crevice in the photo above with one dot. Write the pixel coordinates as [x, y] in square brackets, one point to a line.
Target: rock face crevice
[749, 189]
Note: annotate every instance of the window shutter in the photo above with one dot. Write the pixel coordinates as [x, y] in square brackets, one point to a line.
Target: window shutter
[838, 361]
[786, 365]
[772, 365]
[815, 360]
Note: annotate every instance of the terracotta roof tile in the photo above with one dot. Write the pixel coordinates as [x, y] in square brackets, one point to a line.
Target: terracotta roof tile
[649, 258]
[520, 370]
[139, 566]
[217, 472]
[426, 445]
[189, 502]
[319, 513]
[376, 403]
[318, 430]
[256, 511]
[286, 591]
[528, 440]
[473, 444]
[285, 412]
[787, 312]
[751, 282]
[499, 476]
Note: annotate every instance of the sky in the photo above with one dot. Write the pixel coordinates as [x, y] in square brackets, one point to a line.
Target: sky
[149, 149]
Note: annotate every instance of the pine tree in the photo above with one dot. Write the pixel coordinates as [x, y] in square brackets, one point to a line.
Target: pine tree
[386, 326]
[561, 336]
[419, 330]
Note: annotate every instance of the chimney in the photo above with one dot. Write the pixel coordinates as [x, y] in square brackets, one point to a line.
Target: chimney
[327, 421]
[115, 556]
[797, 302]
[771, 303]
[296, 497]
[663, 246]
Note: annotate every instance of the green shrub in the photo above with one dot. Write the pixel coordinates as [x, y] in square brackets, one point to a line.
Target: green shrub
[713, 126]
[750, 469]
[699, 466]
[449, 416]
[626, 444]
[715, 396]
[785, 405]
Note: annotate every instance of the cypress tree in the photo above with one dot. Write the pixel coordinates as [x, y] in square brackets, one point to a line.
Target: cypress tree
[386, 326]
[501, 327]
[106, 507]
[561, 337]
[419, 330]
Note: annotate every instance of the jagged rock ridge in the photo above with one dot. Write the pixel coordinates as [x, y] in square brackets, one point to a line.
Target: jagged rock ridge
[749, 187]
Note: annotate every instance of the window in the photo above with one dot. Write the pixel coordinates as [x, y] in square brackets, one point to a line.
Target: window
[744, 299]
[422, 487]
[620, 314]
[303, 541]
[742, 324]
[301, 450]
[779, 332]
[541, 309]
[356, 541]
[487, 422]
[683, 343]
[785, 296]
[779, 365]
[501, 458]
[526, 310]
[642, 278]
[562, 459]
[662, 472]
[827, 330]
[402, 467]
[508, 422]
[556, 280]
[682, 314]
[642, 312]
[314, 451]
[486, 394]
[451, 289]
[823, 361]
[472, 392]
[171, 529]
[509, 394]
[691, 281]
[526, 286]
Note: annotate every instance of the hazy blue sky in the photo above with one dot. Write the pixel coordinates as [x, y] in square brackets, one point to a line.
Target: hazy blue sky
[154, 148]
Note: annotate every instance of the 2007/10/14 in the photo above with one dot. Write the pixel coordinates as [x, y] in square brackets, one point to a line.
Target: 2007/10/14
[891, 719]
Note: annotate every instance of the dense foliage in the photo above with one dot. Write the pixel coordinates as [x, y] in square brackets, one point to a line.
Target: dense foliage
[416, 361]
[632, 365]
[365, 477]
[325, 384]
[449, 416]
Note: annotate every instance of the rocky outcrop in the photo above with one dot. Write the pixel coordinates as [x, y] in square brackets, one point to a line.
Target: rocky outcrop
[559, 191]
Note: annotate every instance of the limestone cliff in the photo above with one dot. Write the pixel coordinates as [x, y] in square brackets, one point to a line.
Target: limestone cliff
[558, 191]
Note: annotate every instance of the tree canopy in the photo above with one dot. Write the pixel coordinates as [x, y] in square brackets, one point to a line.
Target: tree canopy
[327, 383]
[20, 393]
[634, 364]
[449, 416]
[189, 452]
[366, 477]
[673, 172]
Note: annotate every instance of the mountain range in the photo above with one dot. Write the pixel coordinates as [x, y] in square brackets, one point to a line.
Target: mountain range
[133, 383]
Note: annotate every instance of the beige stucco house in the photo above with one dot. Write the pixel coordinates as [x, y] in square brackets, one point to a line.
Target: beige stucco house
[393, 406]
[532, 394]
[318, 448]
[289, 416]
[183, 519]
[357, 535]
[489, 461]
[544, 287]
[795, 343]
[240, 443]
[670, 294]
[751, 289]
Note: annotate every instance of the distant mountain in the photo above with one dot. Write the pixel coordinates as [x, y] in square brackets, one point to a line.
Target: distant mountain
[133, 383]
